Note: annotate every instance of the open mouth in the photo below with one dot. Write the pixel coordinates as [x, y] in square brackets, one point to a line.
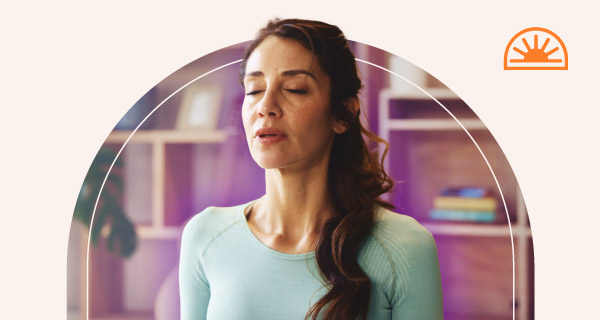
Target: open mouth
[269, 135]
[270, 138]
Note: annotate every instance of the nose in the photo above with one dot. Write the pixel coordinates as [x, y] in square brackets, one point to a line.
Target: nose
[269, 105]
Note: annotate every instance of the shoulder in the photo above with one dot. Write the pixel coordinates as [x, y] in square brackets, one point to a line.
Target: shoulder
[211, 218]
[397, 247]
[211, 215]
[400, 229]
[207, 225]
[404, 239]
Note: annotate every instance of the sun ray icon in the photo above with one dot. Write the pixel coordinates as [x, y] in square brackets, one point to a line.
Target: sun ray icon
[535, 54]
[529, 58]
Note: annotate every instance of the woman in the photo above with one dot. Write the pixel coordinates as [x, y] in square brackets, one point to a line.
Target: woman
[319, 244]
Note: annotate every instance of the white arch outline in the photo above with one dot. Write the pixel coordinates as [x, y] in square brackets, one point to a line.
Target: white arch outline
[237, 61]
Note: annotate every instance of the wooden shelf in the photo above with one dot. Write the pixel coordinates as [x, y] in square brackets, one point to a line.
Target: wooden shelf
[151, 232]
[416, 94]
[169, 136]
[126, 316]
[159, 233]
[464, 229]
[475, 317]
[435, 124]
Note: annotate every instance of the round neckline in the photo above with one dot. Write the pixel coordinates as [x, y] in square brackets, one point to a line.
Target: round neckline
[264, 247]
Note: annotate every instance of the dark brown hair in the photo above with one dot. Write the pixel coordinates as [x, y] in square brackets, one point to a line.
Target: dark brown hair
[356, 178]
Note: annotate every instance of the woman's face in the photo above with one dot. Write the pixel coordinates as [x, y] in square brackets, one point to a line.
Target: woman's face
[286, 108]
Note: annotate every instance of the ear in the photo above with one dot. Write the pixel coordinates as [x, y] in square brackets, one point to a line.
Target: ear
[353, 104]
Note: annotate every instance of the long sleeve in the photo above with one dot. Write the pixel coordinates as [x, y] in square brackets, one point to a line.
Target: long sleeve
[194, 290]
[423, 296]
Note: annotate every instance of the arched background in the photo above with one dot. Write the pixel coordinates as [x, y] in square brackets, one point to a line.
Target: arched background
[170, 173]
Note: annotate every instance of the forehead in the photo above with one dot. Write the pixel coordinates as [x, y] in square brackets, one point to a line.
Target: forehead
[276, 54]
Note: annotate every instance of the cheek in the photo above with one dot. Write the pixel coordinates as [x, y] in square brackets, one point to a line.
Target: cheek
[246, 115]
[316, 125]
[247, 121]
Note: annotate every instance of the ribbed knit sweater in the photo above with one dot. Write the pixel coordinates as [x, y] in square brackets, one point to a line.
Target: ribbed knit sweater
[225, 272]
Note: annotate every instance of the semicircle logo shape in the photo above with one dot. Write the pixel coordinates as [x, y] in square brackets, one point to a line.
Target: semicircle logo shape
[536, 49]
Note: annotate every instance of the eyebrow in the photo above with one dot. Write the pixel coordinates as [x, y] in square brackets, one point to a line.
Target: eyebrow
[288, 73]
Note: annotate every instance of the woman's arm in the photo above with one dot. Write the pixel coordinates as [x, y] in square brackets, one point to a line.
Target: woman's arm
[194, 291]
[423, 295]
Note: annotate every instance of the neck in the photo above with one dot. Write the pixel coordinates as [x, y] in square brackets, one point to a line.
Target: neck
[296, 203]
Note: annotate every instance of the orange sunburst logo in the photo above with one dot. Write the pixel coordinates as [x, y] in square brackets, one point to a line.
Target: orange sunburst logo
[520, 55]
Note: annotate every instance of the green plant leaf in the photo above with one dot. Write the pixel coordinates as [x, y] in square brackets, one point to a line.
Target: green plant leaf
[122, 239]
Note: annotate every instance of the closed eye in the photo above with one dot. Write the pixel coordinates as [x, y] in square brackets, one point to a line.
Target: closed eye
[251, 93]
[297, 91]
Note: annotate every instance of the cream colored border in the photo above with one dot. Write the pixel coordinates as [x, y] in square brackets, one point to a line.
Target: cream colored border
[88, 63]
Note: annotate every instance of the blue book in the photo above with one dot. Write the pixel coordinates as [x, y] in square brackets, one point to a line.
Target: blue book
[467, 192]
[462, 215]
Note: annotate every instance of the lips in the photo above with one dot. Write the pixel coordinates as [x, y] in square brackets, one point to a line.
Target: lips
[267, 136]
[269, 132]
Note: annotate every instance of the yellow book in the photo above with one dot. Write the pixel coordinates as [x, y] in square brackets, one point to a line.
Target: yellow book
[461, 203]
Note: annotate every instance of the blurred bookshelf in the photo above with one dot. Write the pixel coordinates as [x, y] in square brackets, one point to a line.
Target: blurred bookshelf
[434, 134]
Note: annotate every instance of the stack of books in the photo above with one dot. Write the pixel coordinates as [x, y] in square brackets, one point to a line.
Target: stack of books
[473, 204]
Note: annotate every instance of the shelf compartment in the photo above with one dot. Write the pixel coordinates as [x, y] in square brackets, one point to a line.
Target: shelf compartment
[145, 271]
[420, 106]
[425, 162]
[430, 109]
[105, 293]
[121, 287]
[138, 182]
[477, 276]
[178, 192]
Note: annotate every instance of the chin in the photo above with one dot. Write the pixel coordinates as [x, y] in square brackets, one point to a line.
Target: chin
[269, 161]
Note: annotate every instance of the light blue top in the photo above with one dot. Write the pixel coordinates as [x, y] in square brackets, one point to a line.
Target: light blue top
[225, 272]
